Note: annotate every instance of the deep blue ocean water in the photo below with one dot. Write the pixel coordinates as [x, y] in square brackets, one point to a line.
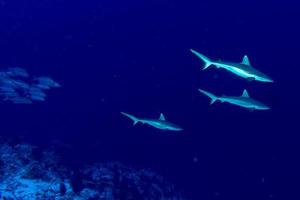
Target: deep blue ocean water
[133, 56]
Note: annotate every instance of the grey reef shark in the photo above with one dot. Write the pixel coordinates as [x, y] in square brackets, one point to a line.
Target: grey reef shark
[160, 123]
[243, 69]
[243, 101]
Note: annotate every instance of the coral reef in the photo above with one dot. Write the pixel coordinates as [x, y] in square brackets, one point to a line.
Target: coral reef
[27, 176]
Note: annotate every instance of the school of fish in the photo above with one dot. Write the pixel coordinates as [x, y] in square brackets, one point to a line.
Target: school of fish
[17, 86]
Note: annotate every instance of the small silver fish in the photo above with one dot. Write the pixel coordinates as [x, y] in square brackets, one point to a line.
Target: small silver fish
[19, 100]
[37, 98]
[40, 86]
[36, 91]
[17, 72]
[6, 88]
[10, 94]
[46, 81]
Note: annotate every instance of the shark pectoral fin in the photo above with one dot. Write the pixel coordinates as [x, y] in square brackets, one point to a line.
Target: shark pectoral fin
[212, 102]
[206, 65]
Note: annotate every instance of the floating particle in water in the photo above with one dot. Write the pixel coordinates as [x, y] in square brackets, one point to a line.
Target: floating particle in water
[216, 194]
[195, 159]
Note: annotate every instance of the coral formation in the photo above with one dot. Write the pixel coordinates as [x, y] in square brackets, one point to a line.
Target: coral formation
[25, 176]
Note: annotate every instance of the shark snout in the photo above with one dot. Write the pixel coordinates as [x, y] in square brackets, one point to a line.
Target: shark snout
[266, 78]
[269, 80]
[176, 128]
[264, 107]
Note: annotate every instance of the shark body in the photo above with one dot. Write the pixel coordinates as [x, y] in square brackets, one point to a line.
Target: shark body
[242, 69]
[160, 123]
[243, 101]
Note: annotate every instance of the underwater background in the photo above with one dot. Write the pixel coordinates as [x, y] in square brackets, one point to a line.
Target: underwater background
[134, 56]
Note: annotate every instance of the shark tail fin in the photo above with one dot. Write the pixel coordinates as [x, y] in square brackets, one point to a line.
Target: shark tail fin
[207, 62]
[133, 118]
[213, 97]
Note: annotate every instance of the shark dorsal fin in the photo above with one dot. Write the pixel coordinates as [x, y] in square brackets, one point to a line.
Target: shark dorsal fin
[246, 60]
[245, 94]
[162, 117]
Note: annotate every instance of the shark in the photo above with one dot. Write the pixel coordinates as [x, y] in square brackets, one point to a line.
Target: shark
[160, 123]
[243, 69]
[243, 101]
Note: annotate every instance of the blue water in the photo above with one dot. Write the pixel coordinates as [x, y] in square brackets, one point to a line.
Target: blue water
[133, 56]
